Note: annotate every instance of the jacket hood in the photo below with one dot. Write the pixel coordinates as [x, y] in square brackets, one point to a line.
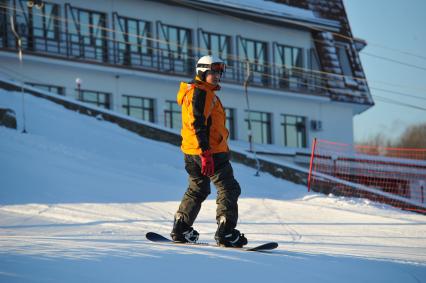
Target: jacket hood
[183, 90]
[197, 82]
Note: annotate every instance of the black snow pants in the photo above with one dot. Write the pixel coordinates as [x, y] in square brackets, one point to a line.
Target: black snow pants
[228, 189]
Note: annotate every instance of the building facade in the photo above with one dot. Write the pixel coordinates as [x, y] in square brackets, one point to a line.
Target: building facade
[305, 77]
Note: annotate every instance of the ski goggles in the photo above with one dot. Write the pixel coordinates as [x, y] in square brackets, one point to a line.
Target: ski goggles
[218, 67]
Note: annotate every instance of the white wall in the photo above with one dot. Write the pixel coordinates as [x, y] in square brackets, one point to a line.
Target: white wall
[336, 117]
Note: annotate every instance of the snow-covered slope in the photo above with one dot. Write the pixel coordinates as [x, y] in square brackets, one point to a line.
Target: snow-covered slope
[77, 196]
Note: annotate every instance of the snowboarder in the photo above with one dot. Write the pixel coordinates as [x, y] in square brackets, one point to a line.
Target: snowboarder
[206, 155]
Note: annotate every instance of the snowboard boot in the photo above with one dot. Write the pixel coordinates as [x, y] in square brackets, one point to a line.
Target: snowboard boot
[229, 237]
[182, 232]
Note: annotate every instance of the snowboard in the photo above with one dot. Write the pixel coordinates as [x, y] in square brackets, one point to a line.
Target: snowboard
[157, 238]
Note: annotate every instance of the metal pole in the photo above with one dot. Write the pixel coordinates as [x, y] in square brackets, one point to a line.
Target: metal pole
[78, 81]
[250, 134]
[20, 53]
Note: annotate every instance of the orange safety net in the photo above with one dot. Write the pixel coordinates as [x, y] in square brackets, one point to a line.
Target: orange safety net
[395, 176]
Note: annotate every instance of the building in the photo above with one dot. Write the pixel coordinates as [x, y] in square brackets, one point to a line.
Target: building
[129, 56]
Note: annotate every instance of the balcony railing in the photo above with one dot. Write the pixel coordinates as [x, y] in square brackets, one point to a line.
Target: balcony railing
[151, 58]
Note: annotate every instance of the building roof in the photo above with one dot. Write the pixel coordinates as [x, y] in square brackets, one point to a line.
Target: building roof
[341, 88]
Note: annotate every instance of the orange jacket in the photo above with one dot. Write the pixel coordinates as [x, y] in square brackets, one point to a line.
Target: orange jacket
[203, 118]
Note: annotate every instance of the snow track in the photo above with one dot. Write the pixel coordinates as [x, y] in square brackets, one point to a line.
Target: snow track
[77, 196]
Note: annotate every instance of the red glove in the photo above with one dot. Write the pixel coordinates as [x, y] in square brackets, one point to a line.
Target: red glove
[207, 163]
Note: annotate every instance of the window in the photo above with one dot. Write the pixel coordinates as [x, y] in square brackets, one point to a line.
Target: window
[3, 22]
[218, 45]
[294, 130]
[260, 126]
[315, 80]
[46, 21]
[51, 88]
[288, 66]
[256, 53]
[40, 27]
[288, 56]
[133, 46]
[175, 49]
[172, 115]
[139, 107]
[313, 61]
[230, 122]
[86, 34]
[101, 99]
[342, 52]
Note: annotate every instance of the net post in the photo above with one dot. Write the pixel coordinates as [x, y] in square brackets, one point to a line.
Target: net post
[314, 144]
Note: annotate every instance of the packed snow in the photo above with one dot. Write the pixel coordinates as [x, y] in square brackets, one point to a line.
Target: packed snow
[270, 8]
[78, 194]
[266, 7]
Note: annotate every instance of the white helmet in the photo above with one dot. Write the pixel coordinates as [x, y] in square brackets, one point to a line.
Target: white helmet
[210, 63]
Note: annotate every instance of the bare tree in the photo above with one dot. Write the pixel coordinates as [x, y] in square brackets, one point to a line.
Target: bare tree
[413, 137]
[376, 140]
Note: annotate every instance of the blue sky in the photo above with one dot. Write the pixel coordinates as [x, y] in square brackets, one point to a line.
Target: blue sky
[400, 25]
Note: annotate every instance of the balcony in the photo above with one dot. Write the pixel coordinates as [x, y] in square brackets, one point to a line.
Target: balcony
[106, 50]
